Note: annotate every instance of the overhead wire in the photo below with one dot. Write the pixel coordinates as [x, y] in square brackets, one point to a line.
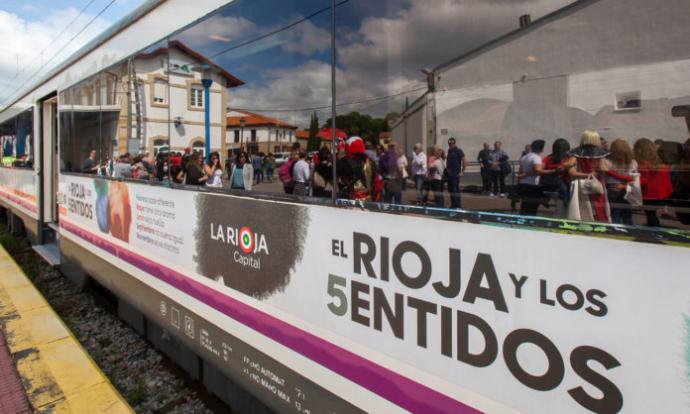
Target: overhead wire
[64, 29]
[276, 31]
[107, 6]
[337, 105]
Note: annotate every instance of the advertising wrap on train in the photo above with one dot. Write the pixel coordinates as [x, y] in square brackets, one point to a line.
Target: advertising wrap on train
[18, 189]
[492, 317]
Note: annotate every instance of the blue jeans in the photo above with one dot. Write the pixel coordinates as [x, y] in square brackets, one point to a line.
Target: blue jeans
[454, 190]
[622, 212]
[418, 185]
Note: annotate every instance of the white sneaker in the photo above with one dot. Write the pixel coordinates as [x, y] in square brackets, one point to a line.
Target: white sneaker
[503, 195]
[492, 195]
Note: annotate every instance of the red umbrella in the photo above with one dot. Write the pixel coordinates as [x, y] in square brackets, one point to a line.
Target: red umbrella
[327, 133]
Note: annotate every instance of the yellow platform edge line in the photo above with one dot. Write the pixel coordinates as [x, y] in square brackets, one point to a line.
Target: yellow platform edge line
[55, 369]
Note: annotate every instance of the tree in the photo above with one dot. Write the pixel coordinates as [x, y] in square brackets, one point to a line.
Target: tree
[361, 125]
[313, 142]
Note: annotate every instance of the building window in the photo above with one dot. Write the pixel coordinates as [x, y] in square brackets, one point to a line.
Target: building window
[160, 145]
[199, 147]
[253, 135]
[237, 135]
[196, 96]
[628, 101]
[160, 92]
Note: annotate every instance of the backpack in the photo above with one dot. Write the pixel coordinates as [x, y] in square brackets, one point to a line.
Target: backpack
[285, 172]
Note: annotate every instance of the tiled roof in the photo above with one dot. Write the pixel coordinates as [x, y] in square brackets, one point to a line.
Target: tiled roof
[252, 120]
[231, 80]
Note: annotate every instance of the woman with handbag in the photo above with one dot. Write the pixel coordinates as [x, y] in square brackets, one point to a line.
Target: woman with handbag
[587, 172]
[621, 169]
[655, 179]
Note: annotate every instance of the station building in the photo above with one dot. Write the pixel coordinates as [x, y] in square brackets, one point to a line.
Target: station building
[151, 102]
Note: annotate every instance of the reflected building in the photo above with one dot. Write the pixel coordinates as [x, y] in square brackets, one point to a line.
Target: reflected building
[171, 101]
[258, 133]
[151, 102]
[593, 64]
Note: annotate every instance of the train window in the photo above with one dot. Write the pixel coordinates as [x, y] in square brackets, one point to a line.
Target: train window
[16, 140]
[80, 126]
[544, 120]
[269, 66]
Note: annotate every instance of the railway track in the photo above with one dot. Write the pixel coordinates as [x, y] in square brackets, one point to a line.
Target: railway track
[148, 380]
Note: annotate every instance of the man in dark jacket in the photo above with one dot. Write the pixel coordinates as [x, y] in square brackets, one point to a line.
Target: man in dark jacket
[485, 167]
[456, 163]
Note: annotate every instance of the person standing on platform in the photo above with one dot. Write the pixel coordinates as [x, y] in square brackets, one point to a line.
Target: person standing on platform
[484, 159]
[89, 165]
[301, 174]
[419, 171]
[242, 175]
[528, 179]
[392, 176]
[456, 163]
[499, 166]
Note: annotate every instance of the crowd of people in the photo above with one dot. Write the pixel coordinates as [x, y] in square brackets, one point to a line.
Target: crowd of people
[596, 181]
[603, 182]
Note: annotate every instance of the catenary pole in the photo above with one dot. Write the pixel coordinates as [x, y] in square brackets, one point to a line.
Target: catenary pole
[334, 147]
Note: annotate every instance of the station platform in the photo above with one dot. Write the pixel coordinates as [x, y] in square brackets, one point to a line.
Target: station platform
[43, 368]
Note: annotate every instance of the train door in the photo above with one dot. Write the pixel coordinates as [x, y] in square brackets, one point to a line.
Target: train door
[49, 247]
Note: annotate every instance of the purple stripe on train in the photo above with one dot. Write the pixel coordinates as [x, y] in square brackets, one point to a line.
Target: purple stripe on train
[19, 201]
[388, 384]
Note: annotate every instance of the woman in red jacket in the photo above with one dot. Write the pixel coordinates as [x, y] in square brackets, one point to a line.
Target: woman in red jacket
[655, 178]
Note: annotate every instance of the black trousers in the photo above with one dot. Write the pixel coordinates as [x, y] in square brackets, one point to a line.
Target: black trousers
[498, 181]
[530, 197]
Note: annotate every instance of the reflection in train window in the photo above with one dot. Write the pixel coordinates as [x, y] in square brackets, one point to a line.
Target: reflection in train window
[571, 82]
[81, 148]
[270, 65]
[17, 140]
[146, 87]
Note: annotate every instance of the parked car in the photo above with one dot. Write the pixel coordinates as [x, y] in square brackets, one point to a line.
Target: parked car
[280, 157]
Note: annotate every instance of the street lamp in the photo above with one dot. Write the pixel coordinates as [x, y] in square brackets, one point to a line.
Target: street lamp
[206, 81]
[243, 122]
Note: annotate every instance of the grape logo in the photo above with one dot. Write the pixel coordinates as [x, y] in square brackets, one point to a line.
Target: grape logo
[254, 250]
[246, 240]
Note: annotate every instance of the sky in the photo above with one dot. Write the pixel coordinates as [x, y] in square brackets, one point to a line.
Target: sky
[281, 48]
[381, 46]
[36, 35]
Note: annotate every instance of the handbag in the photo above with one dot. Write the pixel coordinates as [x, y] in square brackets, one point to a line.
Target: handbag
[591, 186]
[318, 180]
[633, 192]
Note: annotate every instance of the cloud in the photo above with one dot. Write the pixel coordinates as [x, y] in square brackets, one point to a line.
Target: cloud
[399, 45]
[306, 39]
[382, 56]
[305, 86]
[218, 28]
[22, 42]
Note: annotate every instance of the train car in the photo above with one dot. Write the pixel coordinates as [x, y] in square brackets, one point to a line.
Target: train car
[299, 304]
